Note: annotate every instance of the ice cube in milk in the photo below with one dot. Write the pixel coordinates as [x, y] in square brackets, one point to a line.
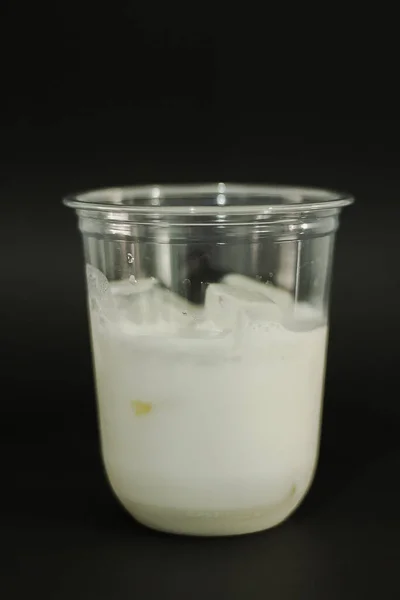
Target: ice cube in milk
[280, 297]
[199, 434]
[225, 304]
[145, 303]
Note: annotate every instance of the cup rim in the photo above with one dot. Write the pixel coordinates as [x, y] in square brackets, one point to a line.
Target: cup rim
[209, 199]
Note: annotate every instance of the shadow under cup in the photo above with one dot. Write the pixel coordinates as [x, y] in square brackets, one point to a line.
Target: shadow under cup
[209, 318]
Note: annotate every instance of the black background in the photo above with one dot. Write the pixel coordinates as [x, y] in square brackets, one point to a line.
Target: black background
[127, 94]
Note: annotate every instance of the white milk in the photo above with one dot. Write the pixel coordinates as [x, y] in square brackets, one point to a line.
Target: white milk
[209, 421]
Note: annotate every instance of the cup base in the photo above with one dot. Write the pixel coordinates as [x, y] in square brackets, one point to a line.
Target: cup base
[210, 523]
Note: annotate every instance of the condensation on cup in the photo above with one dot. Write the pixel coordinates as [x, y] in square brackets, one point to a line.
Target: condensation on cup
[208, 309]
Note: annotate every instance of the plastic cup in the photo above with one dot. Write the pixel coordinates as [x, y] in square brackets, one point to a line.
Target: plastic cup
[208, 308]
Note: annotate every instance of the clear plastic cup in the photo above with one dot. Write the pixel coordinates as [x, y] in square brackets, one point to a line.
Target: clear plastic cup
[208, 307]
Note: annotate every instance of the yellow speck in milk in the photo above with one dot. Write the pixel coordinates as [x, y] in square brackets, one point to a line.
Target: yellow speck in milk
[141, 408]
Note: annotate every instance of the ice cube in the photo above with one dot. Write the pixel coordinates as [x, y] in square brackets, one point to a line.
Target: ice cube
[142, 285]
[97, 282]
[281, 297]
[145, 303]
[144, 306]
[125, 288]
[135, 300]
[304, 317]
[121, 288]
[225, 305]
[256, 331]
[296, 316]
[176, 309]
[101, 301]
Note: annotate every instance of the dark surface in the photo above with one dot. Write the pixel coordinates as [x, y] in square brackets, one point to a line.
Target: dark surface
[133, 104]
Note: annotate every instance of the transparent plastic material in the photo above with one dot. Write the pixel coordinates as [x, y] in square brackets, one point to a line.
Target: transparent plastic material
[209, 319]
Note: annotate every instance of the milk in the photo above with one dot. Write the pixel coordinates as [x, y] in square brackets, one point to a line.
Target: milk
[209, 418]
